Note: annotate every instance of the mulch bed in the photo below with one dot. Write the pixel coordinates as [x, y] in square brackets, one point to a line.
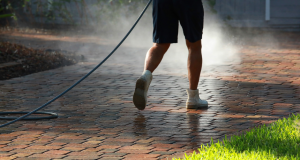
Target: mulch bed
[31, 60]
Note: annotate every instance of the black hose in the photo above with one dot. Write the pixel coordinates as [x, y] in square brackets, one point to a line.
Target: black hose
[84, 77]
[52, 115]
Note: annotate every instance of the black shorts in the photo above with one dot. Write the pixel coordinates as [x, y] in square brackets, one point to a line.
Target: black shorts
[166, 15]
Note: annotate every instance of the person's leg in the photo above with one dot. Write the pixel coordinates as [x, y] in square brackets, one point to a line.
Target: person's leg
[153, 58]
[194, 63]
[165, 31]
[194, 70]
[155, 55]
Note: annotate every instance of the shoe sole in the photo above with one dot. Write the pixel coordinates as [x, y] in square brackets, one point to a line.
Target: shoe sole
[196, 106]
[139, 98]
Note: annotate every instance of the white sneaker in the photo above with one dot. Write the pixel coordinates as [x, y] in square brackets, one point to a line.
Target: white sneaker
[194, 101]
[141, 89]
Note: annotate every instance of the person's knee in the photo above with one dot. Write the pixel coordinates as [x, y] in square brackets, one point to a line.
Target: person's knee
[195, 46]
[164, 46]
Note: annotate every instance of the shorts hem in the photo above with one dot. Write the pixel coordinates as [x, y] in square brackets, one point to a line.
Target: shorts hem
[160, 41]
[193, 41]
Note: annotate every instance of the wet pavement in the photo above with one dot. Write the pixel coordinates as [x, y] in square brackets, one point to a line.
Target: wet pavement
[97, 119]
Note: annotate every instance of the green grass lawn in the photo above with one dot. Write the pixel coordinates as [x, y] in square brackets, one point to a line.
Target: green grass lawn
[277, 141]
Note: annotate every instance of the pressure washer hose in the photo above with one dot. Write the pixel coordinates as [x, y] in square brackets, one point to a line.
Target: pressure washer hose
[75, 84]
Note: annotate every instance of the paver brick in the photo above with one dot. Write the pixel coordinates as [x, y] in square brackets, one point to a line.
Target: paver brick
[29, 150]
[108, 147]
[141, 151]
[43, 147]
[111, 158]
[7, 158]
[141, 156]
[59, 152]
[108, 151]
[138, 147]
[21, 154]
[113, 155]
[166, 145]
[83, 153]
[88, 157]
[46, 156]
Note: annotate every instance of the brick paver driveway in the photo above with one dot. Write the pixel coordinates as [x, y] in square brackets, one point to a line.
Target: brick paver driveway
[97, 119]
